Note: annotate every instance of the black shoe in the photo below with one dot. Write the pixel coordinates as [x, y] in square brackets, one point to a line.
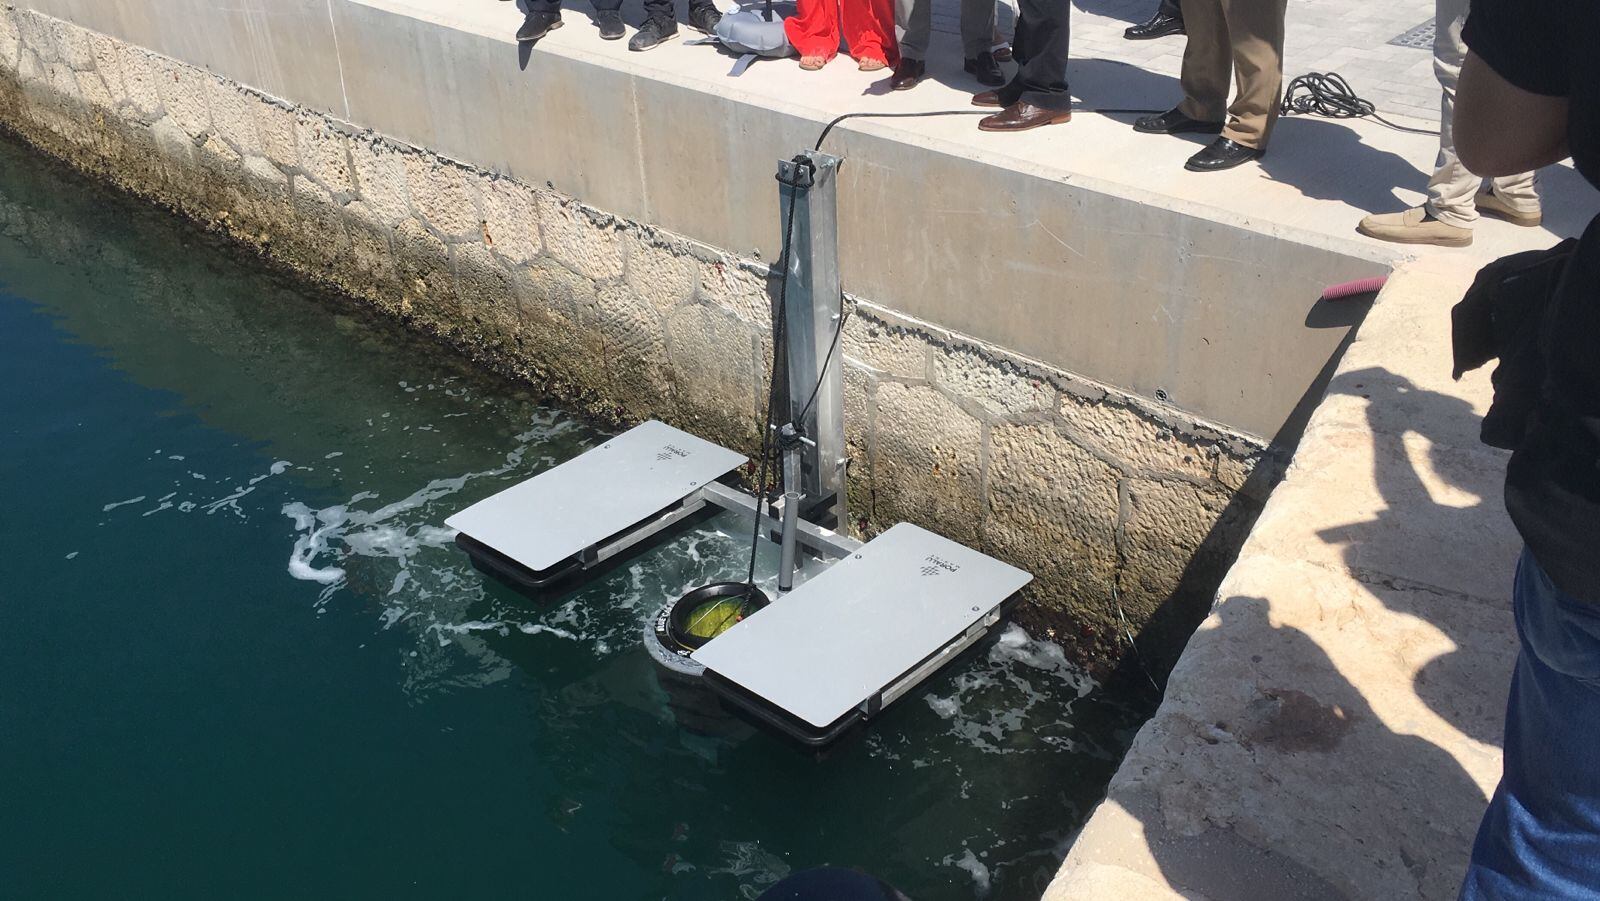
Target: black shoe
[653, 33]
[537, 25]
[1174, 122]
[985, 69]
[1160, 25]
[704, 19]
[610, 24]
[907, 73]
[1222, 154]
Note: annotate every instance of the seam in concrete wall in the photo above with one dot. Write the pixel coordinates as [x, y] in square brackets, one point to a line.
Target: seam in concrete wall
[333, 31]
[1118, 505]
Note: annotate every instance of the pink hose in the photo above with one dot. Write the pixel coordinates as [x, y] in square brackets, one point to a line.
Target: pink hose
[1346, 290]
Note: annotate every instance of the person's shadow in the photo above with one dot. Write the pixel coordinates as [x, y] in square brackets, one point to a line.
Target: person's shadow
[1131, 11]
[1452, 685]
[1210, 819]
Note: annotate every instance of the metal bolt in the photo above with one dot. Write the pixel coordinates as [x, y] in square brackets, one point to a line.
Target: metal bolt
[975, 610]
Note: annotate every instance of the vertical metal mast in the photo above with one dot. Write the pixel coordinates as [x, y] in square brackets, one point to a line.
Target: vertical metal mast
[814, 303]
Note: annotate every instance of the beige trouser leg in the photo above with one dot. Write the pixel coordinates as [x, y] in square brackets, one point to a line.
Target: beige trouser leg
[1452, 187]
[1239, 37]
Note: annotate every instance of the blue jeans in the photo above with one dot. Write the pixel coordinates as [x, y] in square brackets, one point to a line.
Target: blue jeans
[1541, 835]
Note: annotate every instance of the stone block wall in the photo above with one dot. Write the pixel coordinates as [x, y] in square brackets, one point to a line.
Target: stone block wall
[1126, 510]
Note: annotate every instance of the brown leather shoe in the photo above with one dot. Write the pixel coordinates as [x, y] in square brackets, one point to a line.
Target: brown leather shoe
[987, 98]
[1021, 116]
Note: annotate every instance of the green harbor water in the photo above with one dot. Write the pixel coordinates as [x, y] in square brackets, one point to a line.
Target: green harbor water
[241, 658]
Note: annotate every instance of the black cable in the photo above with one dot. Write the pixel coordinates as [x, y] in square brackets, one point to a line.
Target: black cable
[929, 114]
[799, 421]
[936, 112]
[1327, 94]
[780, 366]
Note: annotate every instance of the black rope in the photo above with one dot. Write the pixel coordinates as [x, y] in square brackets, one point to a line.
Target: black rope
[799, 421]
[923, 115]
[780, 373]
[1327, 94]
[936, 112]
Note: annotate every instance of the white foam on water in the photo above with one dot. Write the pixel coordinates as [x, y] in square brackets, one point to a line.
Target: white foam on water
[132, 500]
[755, 867]
[975, 868]
[1015, 700]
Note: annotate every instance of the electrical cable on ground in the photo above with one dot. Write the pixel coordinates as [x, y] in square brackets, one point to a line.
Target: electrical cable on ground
[1327, 94]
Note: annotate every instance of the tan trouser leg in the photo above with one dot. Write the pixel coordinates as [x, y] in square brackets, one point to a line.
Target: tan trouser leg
[1452, 188]
[1206, 61]
[1256, 29]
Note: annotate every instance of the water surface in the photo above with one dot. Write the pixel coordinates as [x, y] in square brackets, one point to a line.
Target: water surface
[239, 656]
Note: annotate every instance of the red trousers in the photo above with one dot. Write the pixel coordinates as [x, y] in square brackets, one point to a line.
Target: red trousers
[866, 25]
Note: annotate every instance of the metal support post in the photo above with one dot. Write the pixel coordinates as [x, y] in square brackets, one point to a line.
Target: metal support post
[814, 310]
[789, 442]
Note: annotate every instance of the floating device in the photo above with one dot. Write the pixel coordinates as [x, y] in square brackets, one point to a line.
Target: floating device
[850, 641]
[670, 642]
[873, 620]
[593, 507]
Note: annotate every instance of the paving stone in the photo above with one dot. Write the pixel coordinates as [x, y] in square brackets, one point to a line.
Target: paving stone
[380, 172]
[323, 154]
[182, 89]
[725, 283]
[422, 261]
[585, 245]
[1331, 729]
[991, 382]
[10, 42]
[439, 192]
[1053, 510]
[106, 60]
[713, 370]
[72, 45]
[275, 129]
[510, 218]
[927, 466]
[663, 273]
[1399, 506]
[886, 349]
[637, 367]
[549, 296]
[1118, 432]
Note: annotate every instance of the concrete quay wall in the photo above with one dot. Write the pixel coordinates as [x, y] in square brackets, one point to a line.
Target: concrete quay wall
[1128, 509]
